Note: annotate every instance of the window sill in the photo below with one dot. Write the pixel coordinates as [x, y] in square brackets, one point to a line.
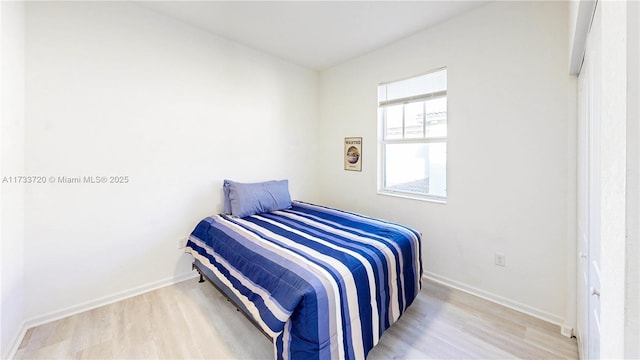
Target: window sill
[431, 199]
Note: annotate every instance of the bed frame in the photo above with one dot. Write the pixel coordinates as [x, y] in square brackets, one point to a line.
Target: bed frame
[197, 266]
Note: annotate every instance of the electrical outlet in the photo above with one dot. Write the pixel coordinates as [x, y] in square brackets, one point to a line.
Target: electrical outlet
[182, 243]
[500, 259]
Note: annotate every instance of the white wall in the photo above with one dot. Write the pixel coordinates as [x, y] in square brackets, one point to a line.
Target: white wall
[116, 89]
[508, 168]
[632, 290]
[613, 172]
[12, 164]
[632, 253]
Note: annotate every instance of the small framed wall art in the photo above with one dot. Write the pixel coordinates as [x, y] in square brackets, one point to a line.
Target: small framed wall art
[353, 153]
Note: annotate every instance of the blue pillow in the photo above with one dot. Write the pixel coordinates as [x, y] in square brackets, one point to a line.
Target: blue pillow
[256, 198]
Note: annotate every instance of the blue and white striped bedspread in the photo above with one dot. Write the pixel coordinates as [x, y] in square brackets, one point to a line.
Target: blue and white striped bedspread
[324, 283]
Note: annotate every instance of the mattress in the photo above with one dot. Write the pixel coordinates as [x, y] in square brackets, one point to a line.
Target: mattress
[321, 282]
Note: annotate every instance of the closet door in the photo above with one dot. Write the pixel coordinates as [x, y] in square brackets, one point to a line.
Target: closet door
[582, 296]
[588, 295]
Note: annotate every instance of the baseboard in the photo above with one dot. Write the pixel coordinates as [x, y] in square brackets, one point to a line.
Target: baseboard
[15, 342]
[89, 305]
[500, 300]
[566, 330]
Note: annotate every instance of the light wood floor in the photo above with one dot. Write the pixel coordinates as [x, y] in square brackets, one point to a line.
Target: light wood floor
[192, 320]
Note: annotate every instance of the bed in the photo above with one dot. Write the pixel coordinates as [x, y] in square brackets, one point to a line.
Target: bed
[321, 283]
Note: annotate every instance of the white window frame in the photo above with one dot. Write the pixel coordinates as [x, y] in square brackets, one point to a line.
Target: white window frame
[382, 142]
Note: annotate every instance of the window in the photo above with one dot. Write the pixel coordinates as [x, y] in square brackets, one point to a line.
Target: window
[412, 116]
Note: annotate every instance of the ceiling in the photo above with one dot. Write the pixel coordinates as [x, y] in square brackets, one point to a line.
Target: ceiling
[314, 34]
